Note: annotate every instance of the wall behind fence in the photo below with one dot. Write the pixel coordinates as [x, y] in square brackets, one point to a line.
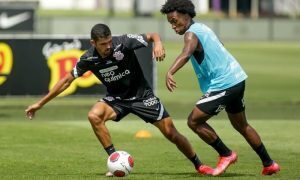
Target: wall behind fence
[226, 29]
[31, 66]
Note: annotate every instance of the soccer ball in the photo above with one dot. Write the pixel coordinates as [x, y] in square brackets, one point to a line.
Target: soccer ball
[120, 163]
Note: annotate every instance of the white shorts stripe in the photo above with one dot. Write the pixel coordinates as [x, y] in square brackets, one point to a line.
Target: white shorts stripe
[75, 72]
[217, 96]
[161, 111]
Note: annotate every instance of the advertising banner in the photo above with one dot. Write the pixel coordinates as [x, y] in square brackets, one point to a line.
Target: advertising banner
[16, 19]
[32, 66]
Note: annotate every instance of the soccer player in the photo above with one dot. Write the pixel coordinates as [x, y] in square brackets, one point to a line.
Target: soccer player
[114, 63]
[222, 81]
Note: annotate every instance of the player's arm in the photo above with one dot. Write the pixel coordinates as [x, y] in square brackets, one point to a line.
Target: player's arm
[190, 45]
[158, 49]
[59, 87]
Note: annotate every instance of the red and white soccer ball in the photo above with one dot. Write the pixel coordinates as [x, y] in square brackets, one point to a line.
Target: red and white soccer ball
[120, 163]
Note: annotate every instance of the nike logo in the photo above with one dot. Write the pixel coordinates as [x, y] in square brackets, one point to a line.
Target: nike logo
[8, 22]
[117, 47]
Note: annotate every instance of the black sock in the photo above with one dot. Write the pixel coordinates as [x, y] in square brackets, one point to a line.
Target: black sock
[263, 154]
[220, 147]
[110, 149]
[195, 160]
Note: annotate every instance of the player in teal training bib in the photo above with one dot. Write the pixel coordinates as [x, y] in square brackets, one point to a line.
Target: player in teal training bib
[221, 79]
[216, 69]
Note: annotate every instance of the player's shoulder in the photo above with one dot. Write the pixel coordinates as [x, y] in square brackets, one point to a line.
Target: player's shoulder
[119, 38]
[89, 55]
[197, 26]
[127, 37]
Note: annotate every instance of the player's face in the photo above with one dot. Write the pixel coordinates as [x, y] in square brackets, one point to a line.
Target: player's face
[103, 46]
[179, 22]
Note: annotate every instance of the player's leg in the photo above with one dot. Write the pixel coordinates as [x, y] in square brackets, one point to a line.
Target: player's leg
[104, 110]
[211, 104]
[168, 129]
[98, 115]
[239, 122]
[150, 109]
[197, 122]
[236, 113]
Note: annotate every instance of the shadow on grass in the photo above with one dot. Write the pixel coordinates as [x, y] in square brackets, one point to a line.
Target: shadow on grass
[2, 115]
[236, 175]
[181, 175]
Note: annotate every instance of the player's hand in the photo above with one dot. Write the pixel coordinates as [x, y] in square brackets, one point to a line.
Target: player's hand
[30, 111]
[170, 82]
[159, 51]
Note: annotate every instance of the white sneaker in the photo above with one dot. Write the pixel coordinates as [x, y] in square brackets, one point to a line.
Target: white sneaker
[109, 174]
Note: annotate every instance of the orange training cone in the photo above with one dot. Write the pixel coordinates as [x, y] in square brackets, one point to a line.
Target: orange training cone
[143, 134]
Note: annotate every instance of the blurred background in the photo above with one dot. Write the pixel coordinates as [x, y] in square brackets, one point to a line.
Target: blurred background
[41, 40]
[230, 19]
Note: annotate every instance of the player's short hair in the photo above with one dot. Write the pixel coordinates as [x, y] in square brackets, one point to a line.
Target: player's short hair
[182, 6]
[100, 31]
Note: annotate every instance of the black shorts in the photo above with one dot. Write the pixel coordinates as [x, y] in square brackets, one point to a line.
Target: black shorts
[149, 108]
[231, 99]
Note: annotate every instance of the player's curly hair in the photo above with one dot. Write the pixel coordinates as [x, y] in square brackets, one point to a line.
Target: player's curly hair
[182, 6]
[100, 31]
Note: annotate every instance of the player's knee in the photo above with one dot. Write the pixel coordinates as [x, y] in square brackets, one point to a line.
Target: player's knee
[241, 128]
[94, 118]
[171, 134]
[91, 116]
[191, 123]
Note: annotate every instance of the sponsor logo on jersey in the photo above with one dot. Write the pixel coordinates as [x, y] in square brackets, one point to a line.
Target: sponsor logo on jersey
[233, 65]
[118, 55]
[61, 59]
[90, 58]
[108, 69]
[243, 102]
[109, 98]
[239, 74]
[6, 62]
[112, 76]
[138, 37]
[119, 45]
[108, 62]
[150, 102]
[220, 108]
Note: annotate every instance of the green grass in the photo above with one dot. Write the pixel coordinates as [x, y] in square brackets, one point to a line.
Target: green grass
[69, 150]
[60, 144]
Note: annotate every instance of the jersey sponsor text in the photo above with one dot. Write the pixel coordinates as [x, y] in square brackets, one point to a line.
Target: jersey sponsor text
[111, 76]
